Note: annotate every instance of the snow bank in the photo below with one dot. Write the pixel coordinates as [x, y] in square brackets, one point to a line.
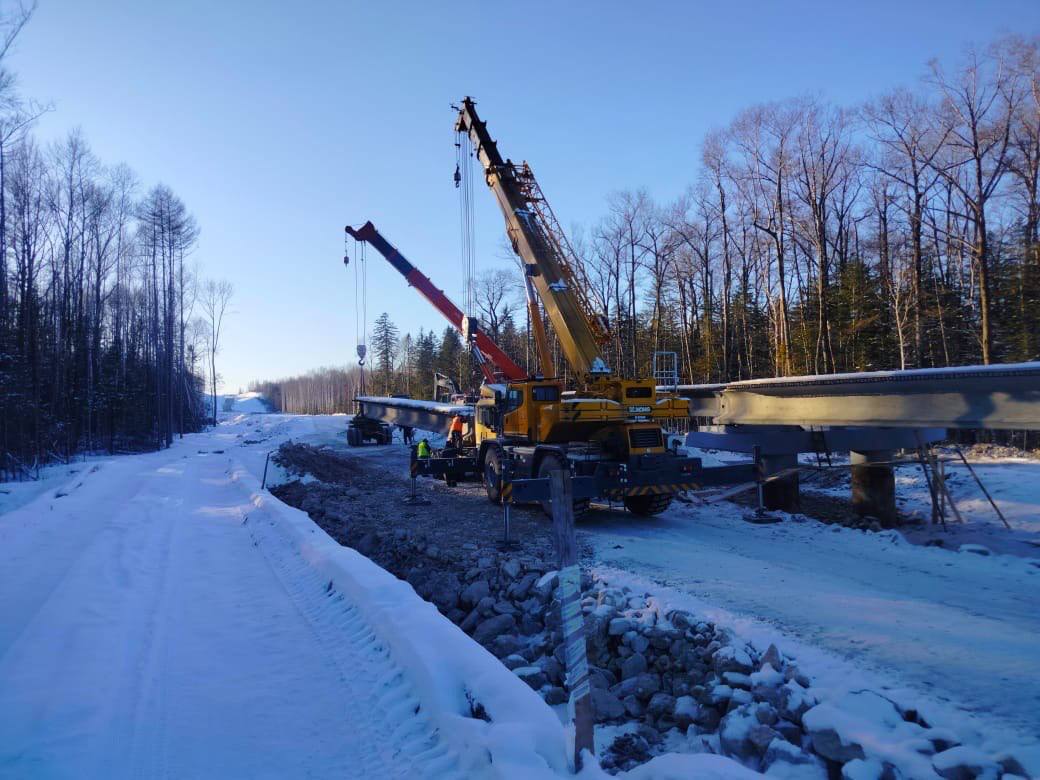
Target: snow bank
[486, 713]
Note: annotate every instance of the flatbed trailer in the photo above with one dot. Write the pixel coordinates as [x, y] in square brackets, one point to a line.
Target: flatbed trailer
[362, 428]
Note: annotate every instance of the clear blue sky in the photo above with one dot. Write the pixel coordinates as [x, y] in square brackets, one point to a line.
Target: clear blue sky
[279, 123]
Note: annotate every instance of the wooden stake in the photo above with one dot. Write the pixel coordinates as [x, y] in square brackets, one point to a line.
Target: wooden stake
[946, 490]
[931, 488]
[570, 607]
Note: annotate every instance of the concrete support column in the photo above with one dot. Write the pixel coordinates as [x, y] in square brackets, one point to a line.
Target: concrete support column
[874, 485]
[780, 494]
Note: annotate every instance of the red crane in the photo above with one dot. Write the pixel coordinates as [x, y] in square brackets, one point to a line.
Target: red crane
[484, 348]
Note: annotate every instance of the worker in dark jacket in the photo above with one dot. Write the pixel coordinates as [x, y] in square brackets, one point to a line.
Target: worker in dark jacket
[423, 450]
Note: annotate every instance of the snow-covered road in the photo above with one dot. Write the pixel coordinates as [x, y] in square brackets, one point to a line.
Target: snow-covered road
[139, 623]
[158, 619]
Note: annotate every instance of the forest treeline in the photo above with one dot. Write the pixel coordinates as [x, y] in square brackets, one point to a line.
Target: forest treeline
[815, 238]
[101, 346]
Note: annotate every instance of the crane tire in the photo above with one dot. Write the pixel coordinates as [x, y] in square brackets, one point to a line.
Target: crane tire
[493, 476]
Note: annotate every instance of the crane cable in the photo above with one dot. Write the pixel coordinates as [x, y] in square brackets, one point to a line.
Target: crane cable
[360, 301]
[464, 184]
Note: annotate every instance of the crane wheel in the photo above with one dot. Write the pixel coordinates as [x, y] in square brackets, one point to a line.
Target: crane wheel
[553, 463]
[493, 476]
[645, 506]
[353, 437]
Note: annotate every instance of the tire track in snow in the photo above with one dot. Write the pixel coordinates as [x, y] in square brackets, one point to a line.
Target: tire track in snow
[401, 740]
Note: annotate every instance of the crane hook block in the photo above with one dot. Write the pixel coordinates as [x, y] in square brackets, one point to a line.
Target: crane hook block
[458, 176]
[470, 327]
[346, 260]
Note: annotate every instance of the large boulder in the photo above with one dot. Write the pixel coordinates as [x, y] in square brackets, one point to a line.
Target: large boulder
[641, 686]
[685, 711]
[620, 626]
[661, 705]
[474, 592]
[518, 590]
[531, 675]
[606, 705]
[493, 627]
[965, 763]
[633, 666]
[840, 728]
[511, 569]
[735, 734]
[732, 659]
[793, 701]
[442, 588]
[506, 644]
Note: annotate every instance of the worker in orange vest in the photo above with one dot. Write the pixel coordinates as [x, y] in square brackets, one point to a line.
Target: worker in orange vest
[455, 432]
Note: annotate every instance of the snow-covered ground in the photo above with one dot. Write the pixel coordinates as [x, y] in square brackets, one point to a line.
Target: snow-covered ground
[1014, 483]
[162, 616]
[960, 629]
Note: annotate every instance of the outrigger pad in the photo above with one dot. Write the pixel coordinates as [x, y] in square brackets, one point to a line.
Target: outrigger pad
[762, 518]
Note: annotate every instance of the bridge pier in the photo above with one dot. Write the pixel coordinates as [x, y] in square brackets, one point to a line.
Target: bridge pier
[874, 485]
[780, 494]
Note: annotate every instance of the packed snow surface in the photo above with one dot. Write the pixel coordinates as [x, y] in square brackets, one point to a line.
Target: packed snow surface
[161, 616]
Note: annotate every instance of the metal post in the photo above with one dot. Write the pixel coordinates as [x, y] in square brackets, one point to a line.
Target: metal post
[922, 457]
[940, 481]
[570, 606]
[978, 481]
[263, 484]
[506, 496]
[413, 497]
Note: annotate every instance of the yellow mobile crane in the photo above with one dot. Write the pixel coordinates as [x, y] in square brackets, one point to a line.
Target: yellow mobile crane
[608, 428]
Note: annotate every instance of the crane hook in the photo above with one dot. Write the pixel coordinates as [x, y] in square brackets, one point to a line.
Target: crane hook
[458, 176]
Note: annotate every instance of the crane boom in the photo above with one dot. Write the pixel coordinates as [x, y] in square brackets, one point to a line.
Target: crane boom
[440, 301]
[536, 238]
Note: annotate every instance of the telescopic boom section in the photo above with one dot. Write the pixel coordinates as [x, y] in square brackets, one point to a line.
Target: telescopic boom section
[538, 244]
[440, 301]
